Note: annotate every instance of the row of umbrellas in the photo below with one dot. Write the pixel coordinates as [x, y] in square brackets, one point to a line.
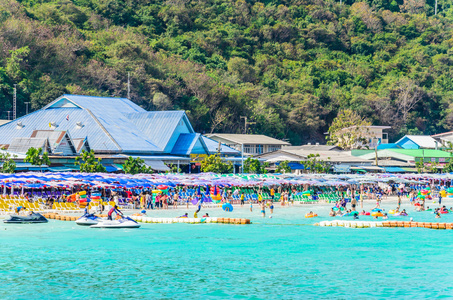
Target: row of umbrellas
[35, 180]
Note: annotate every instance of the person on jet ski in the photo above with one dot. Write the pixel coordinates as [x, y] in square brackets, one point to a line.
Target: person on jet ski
[114, 210]
[19, 208]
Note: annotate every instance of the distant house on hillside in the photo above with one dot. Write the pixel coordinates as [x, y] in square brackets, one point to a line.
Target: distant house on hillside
[417, 142]
[373, 135]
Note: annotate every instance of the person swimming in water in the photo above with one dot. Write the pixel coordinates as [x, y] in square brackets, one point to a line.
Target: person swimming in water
[186, 215]
[206, 215]
[332, 213]
[114, 209]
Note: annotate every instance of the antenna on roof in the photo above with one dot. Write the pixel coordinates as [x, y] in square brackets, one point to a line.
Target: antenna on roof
[14, 103]
[128, 86]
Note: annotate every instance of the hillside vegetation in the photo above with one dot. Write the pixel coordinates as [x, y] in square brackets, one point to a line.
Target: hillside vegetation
[289, 66]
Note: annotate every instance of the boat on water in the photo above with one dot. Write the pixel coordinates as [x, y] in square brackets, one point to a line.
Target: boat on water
[31, 218]
[88, 220]
[124, 222]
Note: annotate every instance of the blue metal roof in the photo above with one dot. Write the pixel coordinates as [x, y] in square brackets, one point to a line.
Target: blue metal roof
[185, 143]
[111, 114]
[40, 119]
[112, 125]
[388, 146]
[213, 145]
[161, 125]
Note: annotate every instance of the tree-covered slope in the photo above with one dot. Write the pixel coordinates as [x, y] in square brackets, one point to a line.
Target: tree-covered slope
[287, 65]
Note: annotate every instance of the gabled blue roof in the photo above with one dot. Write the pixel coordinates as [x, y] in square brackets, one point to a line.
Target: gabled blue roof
[111, 116]
[110, 124]
[40, 119]
[189, 143]
[160, 125]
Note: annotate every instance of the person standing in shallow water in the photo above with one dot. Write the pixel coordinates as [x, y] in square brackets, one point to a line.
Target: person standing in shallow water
[263, 209]
[353, 202]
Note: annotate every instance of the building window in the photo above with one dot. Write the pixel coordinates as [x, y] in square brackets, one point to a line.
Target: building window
[273, 148]
[385, 136]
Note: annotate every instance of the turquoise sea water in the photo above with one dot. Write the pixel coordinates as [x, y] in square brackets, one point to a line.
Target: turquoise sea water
[279, 258]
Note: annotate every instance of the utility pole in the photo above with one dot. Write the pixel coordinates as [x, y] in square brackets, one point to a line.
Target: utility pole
[128, 86]
[14, 103]
[376, 156]
[246, 123]
[26, 107]
[435, 9]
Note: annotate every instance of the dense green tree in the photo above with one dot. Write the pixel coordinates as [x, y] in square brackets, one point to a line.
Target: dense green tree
[135, 166]
[289, 66]
[214, 163]
[88, 162]
[254, 166]
[37, 157]
[8, 163]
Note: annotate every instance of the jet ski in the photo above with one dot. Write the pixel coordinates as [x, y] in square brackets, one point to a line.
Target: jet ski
[31, 218]
[88, 220]
[124, 222]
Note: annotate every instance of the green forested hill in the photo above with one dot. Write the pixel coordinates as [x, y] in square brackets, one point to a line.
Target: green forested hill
[287, 65]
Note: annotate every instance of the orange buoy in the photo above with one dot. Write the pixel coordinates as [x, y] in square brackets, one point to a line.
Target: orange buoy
[400, 224]
[219, 220]
[386, 224]
[435, 225]
[414, 224]
[407, 224]
[393, 224]
[243, 221]
[247, 221]
[442, 225]
[226, 220]
[237, 221]
[420, 224]
[428, 225]
[449, 226]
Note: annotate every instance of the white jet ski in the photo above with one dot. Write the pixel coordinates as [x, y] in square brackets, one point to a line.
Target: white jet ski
[88, 220]
[125, 222]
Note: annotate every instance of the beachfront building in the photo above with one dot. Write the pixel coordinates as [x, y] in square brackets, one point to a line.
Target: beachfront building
[373, 135]
[249, 144]
[403, 160]
[445, 139]
[417, 142]
[341, 161]
[114, 128]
